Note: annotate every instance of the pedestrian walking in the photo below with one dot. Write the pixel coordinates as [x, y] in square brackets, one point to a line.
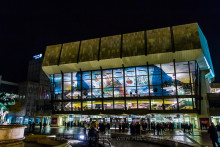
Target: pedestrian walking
[29, 125]
[93, 134]
[212, 131]
[44, 126]
[33, 127]
[40, 126]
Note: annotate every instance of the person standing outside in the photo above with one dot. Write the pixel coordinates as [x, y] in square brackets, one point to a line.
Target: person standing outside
[212, 131]
[44, 126]
[40, 126]
[93, 134]
[33, 127]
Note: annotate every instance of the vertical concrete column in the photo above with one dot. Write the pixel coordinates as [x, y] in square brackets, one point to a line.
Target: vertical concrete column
[204, 103]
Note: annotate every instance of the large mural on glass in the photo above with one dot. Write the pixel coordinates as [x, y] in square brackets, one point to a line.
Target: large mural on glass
[157, 80]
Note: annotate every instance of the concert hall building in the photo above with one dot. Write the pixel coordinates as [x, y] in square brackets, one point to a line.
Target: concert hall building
[160, 75]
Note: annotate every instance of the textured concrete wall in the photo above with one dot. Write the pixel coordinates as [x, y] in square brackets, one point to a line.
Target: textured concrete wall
[69, 53]
[110, 47]
[159, 41]
[52, 55]
[133, 49]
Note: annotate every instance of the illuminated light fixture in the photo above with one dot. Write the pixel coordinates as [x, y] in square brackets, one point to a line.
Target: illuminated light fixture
[37, 56]
[82, 137]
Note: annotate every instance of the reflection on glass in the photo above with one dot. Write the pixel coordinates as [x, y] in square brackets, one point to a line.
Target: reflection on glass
[156, 104]
[155, 79]
[76, 76]
[170, 104]
[118, 92]
[67, 77]
[107, 83]
[96, 74]
[130, 72]
[144, 104]
[167, 68]
[107, 73]
[169, 90]
[184, 89]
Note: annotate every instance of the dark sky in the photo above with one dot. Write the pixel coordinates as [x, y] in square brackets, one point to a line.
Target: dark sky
[27, 27]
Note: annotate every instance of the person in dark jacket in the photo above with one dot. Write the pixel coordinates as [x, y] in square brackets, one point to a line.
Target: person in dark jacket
[132, 129]
[33, 127]
[213, 134]
[40, 126]
[93, 134]
[137, 127]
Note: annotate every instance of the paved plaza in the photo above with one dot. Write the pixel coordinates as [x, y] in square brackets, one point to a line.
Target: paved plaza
[197, 138]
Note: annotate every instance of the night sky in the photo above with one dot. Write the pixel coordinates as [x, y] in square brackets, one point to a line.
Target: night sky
[27, 27]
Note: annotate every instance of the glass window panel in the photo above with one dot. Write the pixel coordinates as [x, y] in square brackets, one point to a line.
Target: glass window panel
[76, 106]
[96, 74]
[87, 105]
[130, 81]
[167, 68]
[118, 72]
[141, 70]
[184, 89]
[156, 104]
[182, 67]
[108, 105]
[169, 90]
[193, 76]
[52, 87]
[107, 73]
[66, 106]
[143, 91]
[96, 93]
[192, 65]
[57, 106]
[193, 89]
[168, 79]
[118, 82]
[67, 94]
[170, 104]
[86, 75]
[96, 83]
[58, 95]
[67, 77]
[86, 93]
[118, 92]
[76, 94]
[51, 78]
[67, 85]
[185, 103]
[142, 80]
[182, 78]
[107, 92]
[119, 105]
[97, 105]
[130, 91]
[131, 104]
[130, 71]
[155, 79]
[154, 69]
[58, 82]
[86, 84]
[76, 76]
[144, 104]
[77, 85]
[156, 90]
[107, 83]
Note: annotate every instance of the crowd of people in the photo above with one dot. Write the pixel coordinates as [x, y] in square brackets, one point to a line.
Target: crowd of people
[32, 125]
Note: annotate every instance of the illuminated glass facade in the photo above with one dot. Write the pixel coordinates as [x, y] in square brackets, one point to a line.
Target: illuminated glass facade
[167, 87]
